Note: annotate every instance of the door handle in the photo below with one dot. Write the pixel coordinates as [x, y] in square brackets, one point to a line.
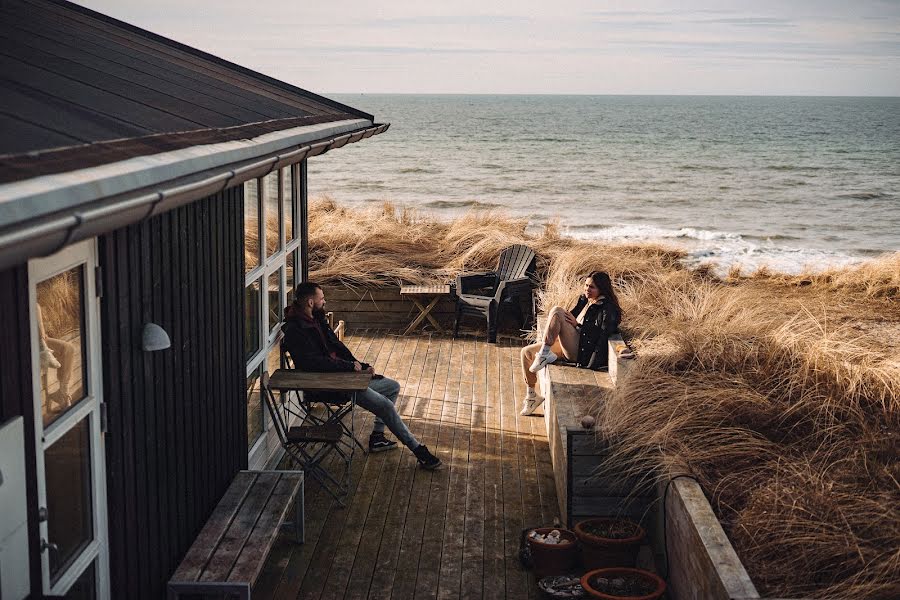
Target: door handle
[45, 545]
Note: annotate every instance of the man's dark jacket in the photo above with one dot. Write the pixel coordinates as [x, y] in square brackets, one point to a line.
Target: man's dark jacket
[600, 322]
[311, 343]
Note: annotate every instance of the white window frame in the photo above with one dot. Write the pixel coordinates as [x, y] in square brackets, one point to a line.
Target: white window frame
[97, 551]
[267, 442]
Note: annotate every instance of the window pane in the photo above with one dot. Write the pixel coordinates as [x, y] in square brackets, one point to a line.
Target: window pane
[251, 320]
[291, 260]
[251, 225]
[60, 319]
[275, 295]
[273, 238]
[254, 408]
[67, 464]
[273, 361]
[85, 587]
[287, 201]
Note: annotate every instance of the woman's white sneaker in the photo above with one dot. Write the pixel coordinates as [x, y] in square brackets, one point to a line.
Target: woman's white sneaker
[542, 360]
[531, 402]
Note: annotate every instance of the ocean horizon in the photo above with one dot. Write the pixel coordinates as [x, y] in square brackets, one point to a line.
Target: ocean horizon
[787, 182]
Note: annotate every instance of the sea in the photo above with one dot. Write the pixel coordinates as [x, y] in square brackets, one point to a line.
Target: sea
[791, 183]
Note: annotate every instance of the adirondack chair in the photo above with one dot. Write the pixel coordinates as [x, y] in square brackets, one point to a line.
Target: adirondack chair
[483, 294]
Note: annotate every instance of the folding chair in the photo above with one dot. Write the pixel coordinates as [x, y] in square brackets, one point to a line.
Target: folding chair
[309, 445]
[337, 405]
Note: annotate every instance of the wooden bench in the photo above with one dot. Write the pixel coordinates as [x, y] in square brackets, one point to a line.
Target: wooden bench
[227, 556]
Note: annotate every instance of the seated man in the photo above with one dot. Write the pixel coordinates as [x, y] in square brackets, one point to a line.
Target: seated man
[313, 346]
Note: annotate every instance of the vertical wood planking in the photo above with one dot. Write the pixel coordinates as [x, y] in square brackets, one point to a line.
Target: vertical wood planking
[175, 416]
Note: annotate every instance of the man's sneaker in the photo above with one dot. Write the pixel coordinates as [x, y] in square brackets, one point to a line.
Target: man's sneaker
[531, 402]
[426, 459]
[379, 443]
[542, 360]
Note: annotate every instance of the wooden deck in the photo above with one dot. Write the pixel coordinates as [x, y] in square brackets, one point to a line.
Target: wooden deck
[411, 533]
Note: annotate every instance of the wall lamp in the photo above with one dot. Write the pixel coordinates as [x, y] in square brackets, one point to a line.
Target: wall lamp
[154, 338]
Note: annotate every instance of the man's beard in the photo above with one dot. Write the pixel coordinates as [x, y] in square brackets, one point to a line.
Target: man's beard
[319, 312]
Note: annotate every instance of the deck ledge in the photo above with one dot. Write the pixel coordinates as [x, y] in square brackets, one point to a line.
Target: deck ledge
[703, 563]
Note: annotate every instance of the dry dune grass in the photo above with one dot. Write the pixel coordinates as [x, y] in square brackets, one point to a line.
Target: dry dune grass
[764, 387]
[384, 246]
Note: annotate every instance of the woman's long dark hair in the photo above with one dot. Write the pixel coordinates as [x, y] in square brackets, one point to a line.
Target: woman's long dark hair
[604, 284]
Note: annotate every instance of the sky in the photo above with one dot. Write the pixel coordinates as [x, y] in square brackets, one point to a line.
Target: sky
[766, 47]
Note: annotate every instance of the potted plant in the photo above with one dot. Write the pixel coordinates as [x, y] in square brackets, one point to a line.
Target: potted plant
[622, 583]
[609, 542]
[552, 554]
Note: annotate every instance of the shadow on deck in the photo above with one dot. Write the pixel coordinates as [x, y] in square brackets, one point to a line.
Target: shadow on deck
[411, 533]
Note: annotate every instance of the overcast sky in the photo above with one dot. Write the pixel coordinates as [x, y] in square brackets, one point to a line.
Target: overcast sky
[817, 47]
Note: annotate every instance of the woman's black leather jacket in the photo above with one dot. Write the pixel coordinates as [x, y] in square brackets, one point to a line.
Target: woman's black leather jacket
[600, 322]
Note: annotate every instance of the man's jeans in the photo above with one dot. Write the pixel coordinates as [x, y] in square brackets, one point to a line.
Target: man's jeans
[380, 400]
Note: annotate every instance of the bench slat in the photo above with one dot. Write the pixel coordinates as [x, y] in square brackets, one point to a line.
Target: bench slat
[233, 540]
[207, 541]
[253, 556]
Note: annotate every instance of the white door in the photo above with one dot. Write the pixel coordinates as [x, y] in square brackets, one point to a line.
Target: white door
[67, 380]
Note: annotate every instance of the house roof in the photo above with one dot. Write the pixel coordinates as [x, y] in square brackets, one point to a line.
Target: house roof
[73, 77]
[98, 115]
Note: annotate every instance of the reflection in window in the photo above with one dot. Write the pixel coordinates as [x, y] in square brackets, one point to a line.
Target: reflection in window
[254, 408]
[273, 235]
[287, 202]
[251, 320]
[67, 464]
[291, 281]
[275, 295]
[273, 361]
[60, 320]
[251, 225]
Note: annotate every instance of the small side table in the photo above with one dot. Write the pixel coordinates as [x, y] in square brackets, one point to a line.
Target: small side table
[419, 293]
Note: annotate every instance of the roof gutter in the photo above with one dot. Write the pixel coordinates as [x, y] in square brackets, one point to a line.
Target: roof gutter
[46, 235]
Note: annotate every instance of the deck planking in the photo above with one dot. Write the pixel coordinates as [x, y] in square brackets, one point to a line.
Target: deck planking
[410, 533]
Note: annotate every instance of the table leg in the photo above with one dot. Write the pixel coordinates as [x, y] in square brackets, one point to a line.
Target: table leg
[423, 314]
[428, 315]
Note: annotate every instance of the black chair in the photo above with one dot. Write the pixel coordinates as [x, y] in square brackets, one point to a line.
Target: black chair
[309, 445]
[483, 294]
[337, 405]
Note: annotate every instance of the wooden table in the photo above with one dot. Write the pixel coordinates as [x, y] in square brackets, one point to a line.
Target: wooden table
[290, 380]
[352, 382]
[415, 292]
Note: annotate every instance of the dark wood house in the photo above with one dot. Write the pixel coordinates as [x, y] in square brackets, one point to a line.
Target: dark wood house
[152, 224]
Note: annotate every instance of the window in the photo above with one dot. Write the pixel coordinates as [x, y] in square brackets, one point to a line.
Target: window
[272, 255]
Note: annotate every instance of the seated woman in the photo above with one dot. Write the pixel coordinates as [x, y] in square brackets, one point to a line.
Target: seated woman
[580, 335]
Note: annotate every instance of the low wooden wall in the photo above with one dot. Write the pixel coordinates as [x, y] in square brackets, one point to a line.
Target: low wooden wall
[702, 562]
[381, 308]
[385, 308]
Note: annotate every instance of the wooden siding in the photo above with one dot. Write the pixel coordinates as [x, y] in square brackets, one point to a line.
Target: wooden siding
[15, 388]
[177, 418]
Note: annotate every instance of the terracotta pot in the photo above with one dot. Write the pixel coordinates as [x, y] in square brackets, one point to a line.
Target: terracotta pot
[659, 586]
[600, 552]
[553, 559]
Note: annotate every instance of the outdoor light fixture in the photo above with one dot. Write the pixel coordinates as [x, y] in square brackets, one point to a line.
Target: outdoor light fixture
[154, 338]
